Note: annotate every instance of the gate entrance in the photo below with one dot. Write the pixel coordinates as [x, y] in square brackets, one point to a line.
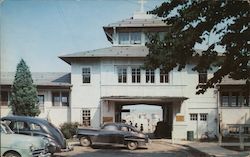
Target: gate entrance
[116, 109]
[153, 119]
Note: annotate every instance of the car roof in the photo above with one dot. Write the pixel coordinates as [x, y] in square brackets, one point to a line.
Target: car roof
[117, 124]
[26, 119]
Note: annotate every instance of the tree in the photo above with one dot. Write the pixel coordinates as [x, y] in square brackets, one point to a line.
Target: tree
[195, 22]
[24, 98]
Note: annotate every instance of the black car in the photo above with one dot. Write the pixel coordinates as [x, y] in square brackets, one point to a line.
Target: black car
[112, 134]
[37, 127]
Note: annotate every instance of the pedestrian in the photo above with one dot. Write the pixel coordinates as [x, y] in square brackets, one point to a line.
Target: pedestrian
[130, 123]
[141, 128]
[136, 125]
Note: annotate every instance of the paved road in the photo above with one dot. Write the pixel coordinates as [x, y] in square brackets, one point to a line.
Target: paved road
[155, 149]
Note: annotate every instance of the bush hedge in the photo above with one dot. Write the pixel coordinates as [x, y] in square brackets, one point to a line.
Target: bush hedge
[69, 129]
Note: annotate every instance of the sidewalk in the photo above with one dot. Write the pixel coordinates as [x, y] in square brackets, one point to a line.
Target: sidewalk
[212, 148]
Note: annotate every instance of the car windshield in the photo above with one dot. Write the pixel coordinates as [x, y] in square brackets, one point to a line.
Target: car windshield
[6, 129]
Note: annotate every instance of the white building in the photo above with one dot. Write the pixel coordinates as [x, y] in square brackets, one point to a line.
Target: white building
[102, 81]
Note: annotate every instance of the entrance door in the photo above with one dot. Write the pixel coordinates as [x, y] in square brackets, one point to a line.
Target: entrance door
[203, 125]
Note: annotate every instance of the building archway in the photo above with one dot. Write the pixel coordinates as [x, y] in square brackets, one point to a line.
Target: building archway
[115, 107]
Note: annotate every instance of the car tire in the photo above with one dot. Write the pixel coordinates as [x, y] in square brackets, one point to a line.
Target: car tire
[85, 141]
[132, 145]
[12, 154]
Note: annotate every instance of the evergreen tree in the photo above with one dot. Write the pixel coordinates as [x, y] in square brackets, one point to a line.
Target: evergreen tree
[24, 98]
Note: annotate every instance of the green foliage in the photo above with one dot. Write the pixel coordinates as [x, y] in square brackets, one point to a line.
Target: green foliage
[196, 21]
[69, 129]
[23, 100]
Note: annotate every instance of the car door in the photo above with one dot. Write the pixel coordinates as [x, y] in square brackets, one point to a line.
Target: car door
[109, 134]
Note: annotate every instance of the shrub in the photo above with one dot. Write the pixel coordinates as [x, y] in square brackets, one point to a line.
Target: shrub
[69, 129]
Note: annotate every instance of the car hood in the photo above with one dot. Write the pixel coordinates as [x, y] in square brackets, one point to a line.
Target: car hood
[24, 141]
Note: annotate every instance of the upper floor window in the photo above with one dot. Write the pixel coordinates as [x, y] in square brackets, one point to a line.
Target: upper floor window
[60, 98]
[130, 38]
[4, 98]
[65, 98]
[150, 76]
[224, 99]
[164, 77]
[203, 76]
[124, 38]
[135, 38]
[85, 75]
[136, 75]
[234, 98]
[122, 75]
[56, 98]
[41, 100]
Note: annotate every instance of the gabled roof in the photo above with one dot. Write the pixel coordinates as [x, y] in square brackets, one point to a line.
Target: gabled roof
[40, 78]
[109, 52]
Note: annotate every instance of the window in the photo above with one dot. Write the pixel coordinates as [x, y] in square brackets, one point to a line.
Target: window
[85, 75]
[40, 100]
[203, 77]
[135, 38]
[203, 117]
[122, 75]
[225, 99]
[4, 98]
[56, 98]
[193, 116]
[36, 127]
[86, 117]
[130, 38]
[65, 98]
[163, 76]
[235, 99]
[20, 126]
[246, 98]
[136, 75]
[124, 38]
[150, 76]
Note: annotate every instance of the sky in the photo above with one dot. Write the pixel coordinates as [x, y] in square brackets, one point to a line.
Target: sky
[39, 31]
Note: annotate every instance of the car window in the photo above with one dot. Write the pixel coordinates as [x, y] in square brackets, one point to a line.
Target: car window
[5, 129]
[2, 129]
[35, 127]
[110, 127]
[18, 125]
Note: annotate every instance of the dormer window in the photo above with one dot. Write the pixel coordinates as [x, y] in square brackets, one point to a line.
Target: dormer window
[124, 38]
[132, 38]
[135, 38]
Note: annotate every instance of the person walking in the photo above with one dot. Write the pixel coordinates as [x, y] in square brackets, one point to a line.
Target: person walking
[141, 128]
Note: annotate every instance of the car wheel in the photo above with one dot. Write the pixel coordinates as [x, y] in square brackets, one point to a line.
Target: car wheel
[12, 154]
[85, 141]
[132, 145]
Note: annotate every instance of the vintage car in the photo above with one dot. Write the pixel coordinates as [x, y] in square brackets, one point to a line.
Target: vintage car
[15, 145]
[112, 134]
[37, 127]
